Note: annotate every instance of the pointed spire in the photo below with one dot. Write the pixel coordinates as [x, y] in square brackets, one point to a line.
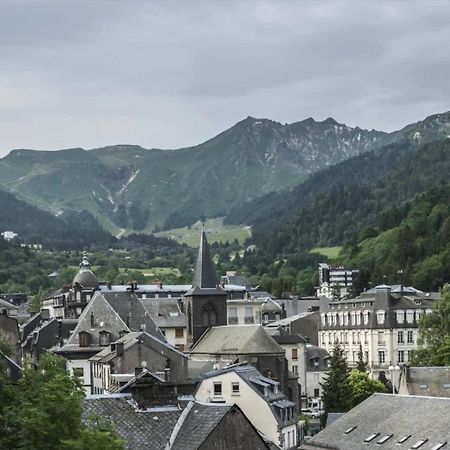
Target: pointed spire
[84, 264]
[204, 272]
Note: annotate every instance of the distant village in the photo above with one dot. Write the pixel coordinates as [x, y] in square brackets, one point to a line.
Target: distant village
[221, 364]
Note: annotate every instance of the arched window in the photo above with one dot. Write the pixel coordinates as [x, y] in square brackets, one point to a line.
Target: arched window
[209, 316]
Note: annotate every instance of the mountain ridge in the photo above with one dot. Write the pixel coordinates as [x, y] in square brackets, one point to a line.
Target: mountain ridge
[133, 188]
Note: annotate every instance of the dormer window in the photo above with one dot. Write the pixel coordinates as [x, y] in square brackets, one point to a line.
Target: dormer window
[104, 338]
[84, 339]
[380, 317]
[400, 316]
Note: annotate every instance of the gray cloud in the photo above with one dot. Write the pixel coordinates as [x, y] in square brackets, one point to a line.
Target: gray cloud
[172, 74]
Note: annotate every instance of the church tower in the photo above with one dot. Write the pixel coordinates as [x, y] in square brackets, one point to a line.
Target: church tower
[206, 302]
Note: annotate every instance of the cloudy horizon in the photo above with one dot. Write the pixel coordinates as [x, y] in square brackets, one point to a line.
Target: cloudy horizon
[174, 74]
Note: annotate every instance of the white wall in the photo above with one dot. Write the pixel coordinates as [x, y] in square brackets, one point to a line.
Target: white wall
[85, 365]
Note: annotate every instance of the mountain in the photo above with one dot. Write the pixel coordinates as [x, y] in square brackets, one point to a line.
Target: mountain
[349, 199]
[359, 173]
[70, 230]
[134, 188]
[129, 188]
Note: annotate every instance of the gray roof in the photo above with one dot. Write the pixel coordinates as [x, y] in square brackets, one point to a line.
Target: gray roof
[287, 339]
[140, 430]
[165, 312]
[236, 340]
[132, 312]
[429, 381]
[288, 320]
[313, 352]
[198, 425]
[204, 271]
[86, 278]
[421, 418]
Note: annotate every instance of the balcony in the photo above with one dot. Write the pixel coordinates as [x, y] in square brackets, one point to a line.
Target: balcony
[232, 320]
[249, 319]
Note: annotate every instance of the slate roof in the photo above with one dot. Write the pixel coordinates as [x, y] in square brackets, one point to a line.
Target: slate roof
[204, 271]
[236, 340]
[420, 418]
[165, 312]
[132, 312]
[287, 339]
[288, 320]
[140, 430]
[313, 352]
[429, 381]
[198, 425]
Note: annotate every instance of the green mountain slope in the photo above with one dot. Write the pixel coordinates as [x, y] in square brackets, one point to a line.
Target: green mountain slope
[353, 196]
[134, 188]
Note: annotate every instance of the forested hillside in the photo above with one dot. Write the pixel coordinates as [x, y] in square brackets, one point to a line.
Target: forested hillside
[70, 230]
[410, 244]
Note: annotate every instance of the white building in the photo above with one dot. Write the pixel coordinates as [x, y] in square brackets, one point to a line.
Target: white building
[383, 322]
[260, 398]
[332, 278]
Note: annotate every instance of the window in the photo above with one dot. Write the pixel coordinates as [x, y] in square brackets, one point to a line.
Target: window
[439, 445]
[322, 317]
[104, 338]
[217, 388]
[400, 338]
[419, 444]
[294, 353]
[353, 317]
[295, 369]
[400, 315]
[366, 317]
[366, 337]
[358, 318]
[384, 439]
[84, 339]
[404, 439]
[410, 337]
[316, 392]
[235, 388]
[358, 337]
[381, 357]
[410, 316]
[349, 430]
[381, 338]
[179, 332]
[401, 356]
[248, 315]
[380, 317]
[371, 437]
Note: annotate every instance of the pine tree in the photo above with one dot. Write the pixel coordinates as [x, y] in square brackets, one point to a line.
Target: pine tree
[337, 392]
[361, 365]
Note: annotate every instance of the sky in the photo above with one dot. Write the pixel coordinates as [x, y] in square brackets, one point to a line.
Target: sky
[172, 74]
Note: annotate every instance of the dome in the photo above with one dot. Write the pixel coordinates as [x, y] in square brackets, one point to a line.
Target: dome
[85, 277]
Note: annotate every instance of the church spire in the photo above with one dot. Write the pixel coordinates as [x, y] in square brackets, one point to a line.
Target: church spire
[204, 272]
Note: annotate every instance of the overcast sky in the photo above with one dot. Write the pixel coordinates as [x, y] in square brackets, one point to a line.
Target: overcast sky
[173, 74]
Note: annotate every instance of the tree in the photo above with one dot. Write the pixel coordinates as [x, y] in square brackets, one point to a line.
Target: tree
[336, 292]
[386, 382]
[434, 334]
[363, 387]
[336, 389]
[47, 406]
[100, 434]
[361, 365]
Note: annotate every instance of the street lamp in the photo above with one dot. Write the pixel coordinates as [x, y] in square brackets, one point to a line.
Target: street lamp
[393, 369]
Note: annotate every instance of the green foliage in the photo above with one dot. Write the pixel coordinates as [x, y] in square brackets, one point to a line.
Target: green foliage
[363, 387]
[336, 389]
[99, 434]
[46, 408]
[361, 365]
[434, 334]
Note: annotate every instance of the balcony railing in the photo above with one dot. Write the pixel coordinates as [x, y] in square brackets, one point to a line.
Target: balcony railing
[232, 320]
[249, 319]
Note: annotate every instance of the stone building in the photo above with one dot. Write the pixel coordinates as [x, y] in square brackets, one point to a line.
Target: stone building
[383, 321]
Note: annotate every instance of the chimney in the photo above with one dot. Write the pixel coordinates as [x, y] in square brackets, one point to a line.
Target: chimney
[92, 320]
[119, 348]
[109, 285]
[113, 346]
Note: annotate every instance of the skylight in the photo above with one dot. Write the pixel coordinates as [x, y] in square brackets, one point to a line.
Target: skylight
[404, 439]
[439, 446]
[371, 437]
[349, 430]
[384, 439]
[419, 444]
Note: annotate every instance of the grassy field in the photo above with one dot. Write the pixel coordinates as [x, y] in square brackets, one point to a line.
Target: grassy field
[215, 230]
[330, 252]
